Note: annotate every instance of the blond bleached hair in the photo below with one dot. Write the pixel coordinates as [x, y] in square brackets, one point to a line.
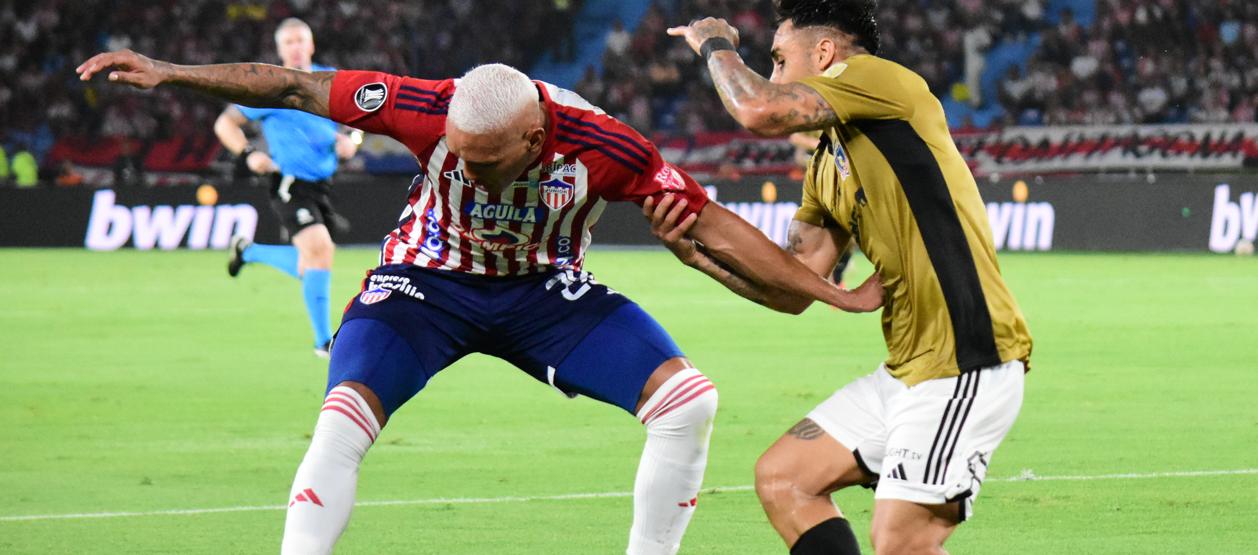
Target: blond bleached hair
[489, 98]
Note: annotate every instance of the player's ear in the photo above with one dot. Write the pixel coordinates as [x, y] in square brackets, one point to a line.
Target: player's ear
[535, 137]
[824, 53]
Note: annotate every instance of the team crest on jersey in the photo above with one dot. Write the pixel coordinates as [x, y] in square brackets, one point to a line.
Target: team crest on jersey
[556, 193]
[669, 179]
[370, 97]
[374, 296]
[841, 162]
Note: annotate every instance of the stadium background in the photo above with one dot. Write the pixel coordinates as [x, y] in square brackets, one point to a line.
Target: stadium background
[1120, 131]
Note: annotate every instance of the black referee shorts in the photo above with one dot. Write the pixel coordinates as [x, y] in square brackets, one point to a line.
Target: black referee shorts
[301, 204]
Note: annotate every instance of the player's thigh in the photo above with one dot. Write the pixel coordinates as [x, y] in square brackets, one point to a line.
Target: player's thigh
[943, 435]
[613, 361]
[806, 461]
[580, 337]
[903, 527]
[314, 243]
[397, 334]
[855, 418]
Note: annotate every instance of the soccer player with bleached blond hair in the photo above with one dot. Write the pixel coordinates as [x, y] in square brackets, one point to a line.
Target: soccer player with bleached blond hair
[488, 257]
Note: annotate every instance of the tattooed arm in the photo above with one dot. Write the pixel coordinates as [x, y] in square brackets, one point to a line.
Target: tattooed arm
[745, 262]
[764, 108]
[258, 85]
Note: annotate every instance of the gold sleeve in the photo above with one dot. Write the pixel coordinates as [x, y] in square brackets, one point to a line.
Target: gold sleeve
[811, 210]
[864, 87]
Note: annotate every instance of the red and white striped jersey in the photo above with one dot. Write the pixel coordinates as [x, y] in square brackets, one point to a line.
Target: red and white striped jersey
[544, 219]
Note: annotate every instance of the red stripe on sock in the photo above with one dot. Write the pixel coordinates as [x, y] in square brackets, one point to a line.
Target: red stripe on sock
[352, 419]
[357, 416]
[313, 498]
[353, 404]
[701, 391]
[671, 395]
[679, 392]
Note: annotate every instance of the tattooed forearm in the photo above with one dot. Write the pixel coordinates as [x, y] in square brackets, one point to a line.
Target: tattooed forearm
[762, 295]
[726, 276]
[260, 85]
[764, 107]
[806, 430]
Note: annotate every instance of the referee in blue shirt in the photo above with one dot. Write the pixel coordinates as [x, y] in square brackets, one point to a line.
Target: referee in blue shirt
[303, 154]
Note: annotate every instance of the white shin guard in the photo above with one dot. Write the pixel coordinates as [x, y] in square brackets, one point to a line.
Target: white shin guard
[678, 419]
[323, 490]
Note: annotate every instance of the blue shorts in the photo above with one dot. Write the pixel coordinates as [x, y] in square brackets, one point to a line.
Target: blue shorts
[562, 327]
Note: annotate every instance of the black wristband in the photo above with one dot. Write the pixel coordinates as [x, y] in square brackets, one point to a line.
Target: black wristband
[247, 151]
[714, 44]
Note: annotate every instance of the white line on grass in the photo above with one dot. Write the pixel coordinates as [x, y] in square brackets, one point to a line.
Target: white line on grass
[1025, 476]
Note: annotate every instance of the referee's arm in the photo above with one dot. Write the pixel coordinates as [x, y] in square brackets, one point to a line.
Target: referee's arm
[229, 127]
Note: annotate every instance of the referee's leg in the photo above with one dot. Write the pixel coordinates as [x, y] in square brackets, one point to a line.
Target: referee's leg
[314, 264]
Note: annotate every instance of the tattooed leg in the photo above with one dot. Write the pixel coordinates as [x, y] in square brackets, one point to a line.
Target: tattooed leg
[795, 477]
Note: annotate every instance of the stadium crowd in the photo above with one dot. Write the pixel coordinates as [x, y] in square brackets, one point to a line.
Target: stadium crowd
[1140, 61]
[41, 99]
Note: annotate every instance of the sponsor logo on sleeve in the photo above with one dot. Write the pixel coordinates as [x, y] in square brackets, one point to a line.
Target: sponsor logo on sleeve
[371, 97]
[669, 179]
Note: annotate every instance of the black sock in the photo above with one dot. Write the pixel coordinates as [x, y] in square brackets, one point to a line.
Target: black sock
[831, 537]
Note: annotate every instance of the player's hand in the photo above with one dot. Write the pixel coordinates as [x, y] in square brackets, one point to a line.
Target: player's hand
[703, 29]
[666, 228]
[260, 163]
[126, 67]
[345, 145]
[869, 296]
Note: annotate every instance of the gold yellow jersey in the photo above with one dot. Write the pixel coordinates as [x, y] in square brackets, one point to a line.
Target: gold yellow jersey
[890, 175]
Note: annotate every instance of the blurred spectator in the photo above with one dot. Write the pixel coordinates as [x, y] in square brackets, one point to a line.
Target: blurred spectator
[41, 99]
[67, 176]
[4, 167]
[1137, 61]
[25, 168]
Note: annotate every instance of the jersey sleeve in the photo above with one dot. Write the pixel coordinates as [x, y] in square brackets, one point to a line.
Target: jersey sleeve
[864, 87]
[404, 108]
[635, 168]
[811, 211]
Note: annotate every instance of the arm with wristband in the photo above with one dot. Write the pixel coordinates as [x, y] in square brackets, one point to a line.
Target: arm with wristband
[763, 107]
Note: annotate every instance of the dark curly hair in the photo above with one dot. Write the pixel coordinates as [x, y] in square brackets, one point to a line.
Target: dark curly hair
[854, 17]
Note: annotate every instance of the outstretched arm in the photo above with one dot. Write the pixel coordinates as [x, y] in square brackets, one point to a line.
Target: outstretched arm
[762, 107]
[731, 251]
[258, 85]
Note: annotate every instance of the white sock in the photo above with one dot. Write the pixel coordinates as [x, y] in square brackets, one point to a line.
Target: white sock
[323, 490]
[678, 420]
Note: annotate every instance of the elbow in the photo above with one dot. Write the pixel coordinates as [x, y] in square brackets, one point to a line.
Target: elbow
[790, 304]
[222, 126]
[760, 119]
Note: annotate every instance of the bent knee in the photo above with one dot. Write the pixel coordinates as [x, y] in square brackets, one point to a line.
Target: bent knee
[318, 254]
[776, 478]
[688, 400]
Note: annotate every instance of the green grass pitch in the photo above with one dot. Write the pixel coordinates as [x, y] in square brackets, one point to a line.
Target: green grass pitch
[142, 382]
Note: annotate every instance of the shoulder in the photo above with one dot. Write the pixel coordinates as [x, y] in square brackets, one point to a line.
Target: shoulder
[605, 140]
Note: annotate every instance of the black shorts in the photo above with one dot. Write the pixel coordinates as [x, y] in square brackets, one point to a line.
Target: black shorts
[301, 204]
